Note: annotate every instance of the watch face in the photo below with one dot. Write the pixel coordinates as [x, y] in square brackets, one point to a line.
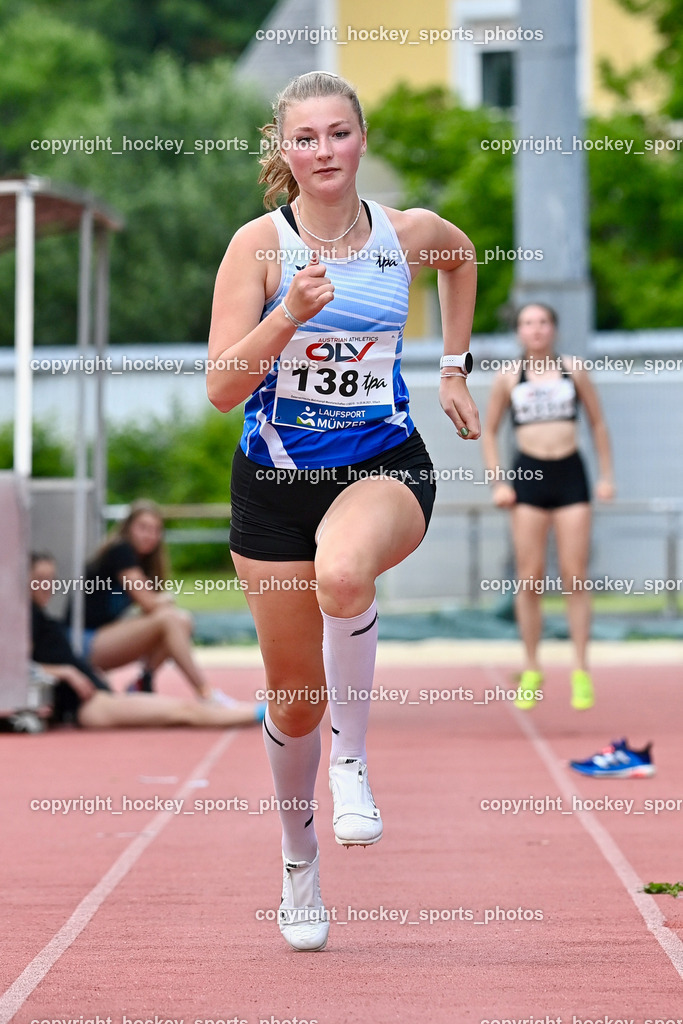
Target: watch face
[465, 361]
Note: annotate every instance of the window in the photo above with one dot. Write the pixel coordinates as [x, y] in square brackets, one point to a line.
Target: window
[497, 79]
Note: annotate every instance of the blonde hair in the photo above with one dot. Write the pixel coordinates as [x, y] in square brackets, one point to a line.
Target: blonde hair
[275, 172]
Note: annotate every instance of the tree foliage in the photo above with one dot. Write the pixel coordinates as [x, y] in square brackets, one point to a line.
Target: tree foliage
[193, 30]
[636, 227]
[83, 69]
[51, 457]
[636, 203]
[436, 147]
[668, 19]
[44, 62]
[180, 210]
[175, 460]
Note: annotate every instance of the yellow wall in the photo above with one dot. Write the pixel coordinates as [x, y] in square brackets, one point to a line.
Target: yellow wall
[376, 67]
[626, 40]
[417, 325]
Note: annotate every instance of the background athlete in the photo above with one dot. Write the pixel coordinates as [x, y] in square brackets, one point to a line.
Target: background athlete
[551, 487]
[309, 311]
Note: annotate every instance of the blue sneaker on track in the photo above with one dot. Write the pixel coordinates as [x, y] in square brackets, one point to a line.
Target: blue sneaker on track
[619, 762]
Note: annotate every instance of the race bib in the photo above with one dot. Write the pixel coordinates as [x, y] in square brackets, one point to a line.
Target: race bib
[537, 401]
[336, 380]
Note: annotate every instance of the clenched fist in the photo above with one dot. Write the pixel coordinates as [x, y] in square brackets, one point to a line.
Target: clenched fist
[310, 290]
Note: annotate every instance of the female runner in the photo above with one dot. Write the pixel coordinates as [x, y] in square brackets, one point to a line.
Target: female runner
[331, 483]
[550, 488]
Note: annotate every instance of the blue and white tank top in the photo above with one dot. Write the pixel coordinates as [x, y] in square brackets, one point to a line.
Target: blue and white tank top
[336, 395]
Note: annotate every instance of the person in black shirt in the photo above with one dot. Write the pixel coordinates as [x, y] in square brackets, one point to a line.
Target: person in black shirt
[83, 697]
[129, 571]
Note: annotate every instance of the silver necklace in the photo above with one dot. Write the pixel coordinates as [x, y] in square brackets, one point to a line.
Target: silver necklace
[317, 237]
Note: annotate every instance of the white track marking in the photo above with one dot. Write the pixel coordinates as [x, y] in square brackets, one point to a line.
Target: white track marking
[647, 907]
[29, 979]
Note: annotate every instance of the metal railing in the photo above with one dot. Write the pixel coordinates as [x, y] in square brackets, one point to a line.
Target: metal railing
[669, 512]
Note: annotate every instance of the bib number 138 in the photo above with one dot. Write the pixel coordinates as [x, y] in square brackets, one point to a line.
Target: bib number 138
[345, 383]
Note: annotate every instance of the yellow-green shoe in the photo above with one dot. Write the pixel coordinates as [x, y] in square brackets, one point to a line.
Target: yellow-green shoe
[530, 682]
[583, 696]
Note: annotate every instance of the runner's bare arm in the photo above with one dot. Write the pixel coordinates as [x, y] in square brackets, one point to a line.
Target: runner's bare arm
[242, 348]
[499, 401]
[430, 241]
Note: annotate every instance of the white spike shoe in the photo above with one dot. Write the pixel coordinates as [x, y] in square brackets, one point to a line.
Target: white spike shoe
[302, 917]
[356, 820]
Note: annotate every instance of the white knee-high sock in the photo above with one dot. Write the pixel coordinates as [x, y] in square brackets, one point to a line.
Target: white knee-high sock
[294, 762]
[349, 648]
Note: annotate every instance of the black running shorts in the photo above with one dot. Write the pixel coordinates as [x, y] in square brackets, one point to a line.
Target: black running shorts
[550, 483]
[276, 512]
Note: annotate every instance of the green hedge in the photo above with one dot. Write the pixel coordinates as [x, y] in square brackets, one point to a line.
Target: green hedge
[50, 456]
[178, 460]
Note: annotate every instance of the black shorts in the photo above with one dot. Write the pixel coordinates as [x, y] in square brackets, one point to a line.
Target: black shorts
[66, 703]
[276, 512]
[550, 483]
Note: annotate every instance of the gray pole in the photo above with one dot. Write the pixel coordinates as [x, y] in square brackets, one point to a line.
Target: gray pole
[550, 187]
[101, 348]
[23, 329]
[81, 482]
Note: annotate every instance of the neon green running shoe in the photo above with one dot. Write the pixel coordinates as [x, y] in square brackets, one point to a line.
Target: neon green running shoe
[583, 696]
[530, 683]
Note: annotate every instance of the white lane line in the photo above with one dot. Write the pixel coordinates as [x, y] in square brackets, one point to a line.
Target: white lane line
[647, 907]
[29, 979]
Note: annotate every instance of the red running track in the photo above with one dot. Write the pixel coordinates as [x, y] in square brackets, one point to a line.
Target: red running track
[460, 914]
